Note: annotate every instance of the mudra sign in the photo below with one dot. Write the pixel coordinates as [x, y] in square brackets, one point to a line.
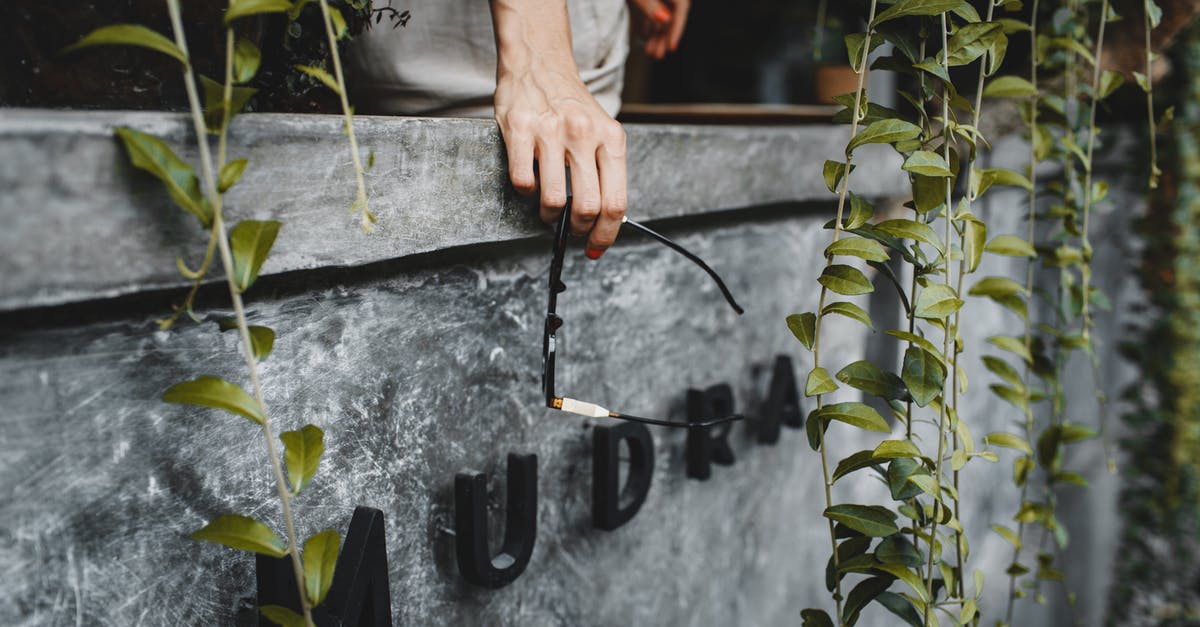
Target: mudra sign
[359, 594]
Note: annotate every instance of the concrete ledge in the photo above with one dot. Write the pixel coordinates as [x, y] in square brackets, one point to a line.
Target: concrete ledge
[82, 224]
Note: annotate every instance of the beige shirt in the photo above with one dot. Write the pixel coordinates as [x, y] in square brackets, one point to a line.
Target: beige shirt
[444, 61]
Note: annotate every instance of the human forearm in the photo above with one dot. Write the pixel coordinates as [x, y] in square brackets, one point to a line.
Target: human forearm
[532, 36]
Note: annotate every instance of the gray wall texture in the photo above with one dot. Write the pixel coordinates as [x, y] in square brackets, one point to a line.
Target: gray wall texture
[417, 349]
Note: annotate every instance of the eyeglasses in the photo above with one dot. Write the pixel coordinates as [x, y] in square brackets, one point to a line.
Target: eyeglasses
[554, 323]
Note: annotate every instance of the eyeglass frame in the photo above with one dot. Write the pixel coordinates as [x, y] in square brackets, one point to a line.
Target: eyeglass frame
[554, 322]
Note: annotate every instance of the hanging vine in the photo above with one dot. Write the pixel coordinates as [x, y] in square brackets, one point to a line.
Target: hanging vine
[241, 250]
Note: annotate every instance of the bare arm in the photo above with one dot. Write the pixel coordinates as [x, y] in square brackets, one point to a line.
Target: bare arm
[546, 113]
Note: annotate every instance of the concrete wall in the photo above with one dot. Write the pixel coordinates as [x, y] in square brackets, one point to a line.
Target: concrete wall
[417, 349]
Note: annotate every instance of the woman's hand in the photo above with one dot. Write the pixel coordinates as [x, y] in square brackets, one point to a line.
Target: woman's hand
[660, 23]
[547, 115]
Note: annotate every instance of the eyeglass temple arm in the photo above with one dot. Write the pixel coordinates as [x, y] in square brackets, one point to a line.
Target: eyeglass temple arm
[593, 410]
[698, 261]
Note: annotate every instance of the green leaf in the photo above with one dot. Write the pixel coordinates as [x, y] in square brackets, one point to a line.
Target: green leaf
[1075, 433]
[1013, 345]
[251, 242]
[815, 618]
[855, 462]
[1011, 246]
[231, 173]
[282, 616]
[214, 102]
[302, 455]
[911, 229]
[833, 172]
[856, 415]
[1009, 87]
[339, 23]
[1110, 81]
[129, 35]
[907, 576]
[928, 193]
[916, 7]
[814, 429]
[803, 326]
[819, 383]
[860, 212]
[246, 59]
[320, 557]
[971, 41]
[935, 68]
[889, 449]
[242, 8]
[868, 377]
[849, 310]
[884, 132]
[920, 341]
[1153, 13]
[860, 247]
[1073, 478]
[217, 393]
[244, 534]
[974, 241]
[151, 154]
[937, 301]
[861, 595]
[846, 280]
[923, 374]
[1143, 82]
[900, 472]
[898, 549]
[927, 163]
[901, 607]
[870, 520]
[320, 75]
[996, 286]
[1008, 534]
[262, 340]
[1000, 368]
[982, 180]
[1009, 440]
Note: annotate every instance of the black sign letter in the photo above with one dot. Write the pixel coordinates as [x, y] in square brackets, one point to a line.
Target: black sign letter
[607, 512]
[783, 402]
[359, 594]
[475, 560]
[708, 444]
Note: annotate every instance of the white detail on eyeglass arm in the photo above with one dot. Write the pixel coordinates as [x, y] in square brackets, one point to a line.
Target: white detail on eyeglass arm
[590, 410]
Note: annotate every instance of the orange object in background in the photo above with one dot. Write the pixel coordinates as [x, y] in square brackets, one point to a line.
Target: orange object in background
[834, 80]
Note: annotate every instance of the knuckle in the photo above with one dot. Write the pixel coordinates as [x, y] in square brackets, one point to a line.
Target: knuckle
[578, 125]
[522, 180]
[615, 205]
[586, 207]
[614, 138]
[556, 198]
[518, 121]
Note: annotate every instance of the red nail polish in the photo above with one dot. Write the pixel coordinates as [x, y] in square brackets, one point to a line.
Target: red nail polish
[593, 253]
[661, 15]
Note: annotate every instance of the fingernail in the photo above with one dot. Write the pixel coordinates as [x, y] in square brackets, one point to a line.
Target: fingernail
[593, 253]
[661, 15]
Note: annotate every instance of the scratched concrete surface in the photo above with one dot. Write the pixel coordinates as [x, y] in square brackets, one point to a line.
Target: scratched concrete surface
[421, 366]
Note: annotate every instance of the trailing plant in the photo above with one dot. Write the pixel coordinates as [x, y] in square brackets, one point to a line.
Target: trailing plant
[1155, 582]
[242, 250]
[923, 519]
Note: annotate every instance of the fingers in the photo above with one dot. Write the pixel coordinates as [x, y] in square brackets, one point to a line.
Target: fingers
[520, 162]
[678, 21]
[552, 172]
[585, 192]
[610, 160]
